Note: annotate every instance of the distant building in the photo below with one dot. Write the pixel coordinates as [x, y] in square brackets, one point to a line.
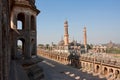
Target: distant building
[99, 49]
[65, 46]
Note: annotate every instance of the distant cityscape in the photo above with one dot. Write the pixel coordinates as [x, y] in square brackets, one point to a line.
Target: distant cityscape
[100, 60]
[109, 47]
[22, 59]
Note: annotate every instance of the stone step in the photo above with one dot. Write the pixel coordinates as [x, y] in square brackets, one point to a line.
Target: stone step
[36, 69]
[38, 75]
[33, 76]
[35, 72]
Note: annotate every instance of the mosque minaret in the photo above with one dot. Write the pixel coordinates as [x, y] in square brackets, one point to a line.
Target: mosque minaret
[85, 38]
[66, 35]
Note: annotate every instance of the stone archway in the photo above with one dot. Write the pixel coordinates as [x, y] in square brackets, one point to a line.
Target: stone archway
[117, 74]
[111, 70]
[20, 48]
[97, 69]
[111, 74]
[105, 71]
[21, 21]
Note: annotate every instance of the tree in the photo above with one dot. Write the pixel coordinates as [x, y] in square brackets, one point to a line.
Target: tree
[40, 45]
[89, 46]
[113, 50]
[47, 46]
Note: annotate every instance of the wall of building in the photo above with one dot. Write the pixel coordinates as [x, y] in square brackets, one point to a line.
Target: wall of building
[4, 39]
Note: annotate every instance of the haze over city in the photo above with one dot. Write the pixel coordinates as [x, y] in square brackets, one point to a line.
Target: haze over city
[101, 18]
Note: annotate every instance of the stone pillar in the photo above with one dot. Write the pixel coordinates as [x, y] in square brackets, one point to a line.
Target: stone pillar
[27, 43]
[94, 65]
[35, 42]
[13, 37]
[101, 67]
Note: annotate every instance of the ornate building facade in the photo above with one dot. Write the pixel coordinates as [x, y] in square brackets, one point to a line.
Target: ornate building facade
[25, 12]
[12, 11]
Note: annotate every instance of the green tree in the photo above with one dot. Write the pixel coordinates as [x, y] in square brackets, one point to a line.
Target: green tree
[47, 46]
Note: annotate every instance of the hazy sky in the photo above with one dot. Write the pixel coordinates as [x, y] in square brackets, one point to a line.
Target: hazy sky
[101, 18]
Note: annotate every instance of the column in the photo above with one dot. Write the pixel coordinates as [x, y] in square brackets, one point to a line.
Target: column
[27, 43]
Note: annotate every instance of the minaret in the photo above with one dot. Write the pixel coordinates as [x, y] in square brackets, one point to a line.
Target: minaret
[66, 35]
[85, 38]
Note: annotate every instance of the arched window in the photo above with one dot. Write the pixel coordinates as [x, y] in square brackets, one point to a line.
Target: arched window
[19, 25]
[105, 71]
[32, 41]
[111, 70]
[33, 23]
[20, 21]
[20, 47]
[19, 44]
[97, 69]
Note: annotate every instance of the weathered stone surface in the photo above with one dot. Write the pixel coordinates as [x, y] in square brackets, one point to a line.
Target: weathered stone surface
[9, 34]
[4, 39]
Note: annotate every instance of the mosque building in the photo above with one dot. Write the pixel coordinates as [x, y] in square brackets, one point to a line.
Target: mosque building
[66, 46]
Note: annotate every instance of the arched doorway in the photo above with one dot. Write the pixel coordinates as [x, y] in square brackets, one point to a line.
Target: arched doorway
[20, 21]
[110, 70]
[105, 71]
[111, 74]
[117, 74]
[97, 69]
[20, 48]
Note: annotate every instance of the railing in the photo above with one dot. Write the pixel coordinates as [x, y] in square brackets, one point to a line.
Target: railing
[103, 61]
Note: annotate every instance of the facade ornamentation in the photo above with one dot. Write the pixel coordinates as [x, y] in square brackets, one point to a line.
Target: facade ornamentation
[12, 12]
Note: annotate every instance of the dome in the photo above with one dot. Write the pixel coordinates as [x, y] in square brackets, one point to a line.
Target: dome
[61, 43]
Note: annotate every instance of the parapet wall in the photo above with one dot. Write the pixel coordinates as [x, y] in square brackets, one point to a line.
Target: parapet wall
[98, 67]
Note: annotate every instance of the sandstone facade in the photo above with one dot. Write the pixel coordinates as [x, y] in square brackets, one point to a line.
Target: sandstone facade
[10, 12]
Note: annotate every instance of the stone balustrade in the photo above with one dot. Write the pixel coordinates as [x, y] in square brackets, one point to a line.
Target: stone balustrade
[54, 56]
[108, 62]
[98, 66]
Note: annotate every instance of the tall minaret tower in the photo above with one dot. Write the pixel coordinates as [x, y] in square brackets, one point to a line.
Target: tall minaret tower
[66, 35]
[85, 38]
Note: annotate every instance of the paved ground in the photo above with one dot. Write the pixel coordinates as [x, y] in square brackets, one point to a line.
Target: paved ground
[17, 72]
[56, 71]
